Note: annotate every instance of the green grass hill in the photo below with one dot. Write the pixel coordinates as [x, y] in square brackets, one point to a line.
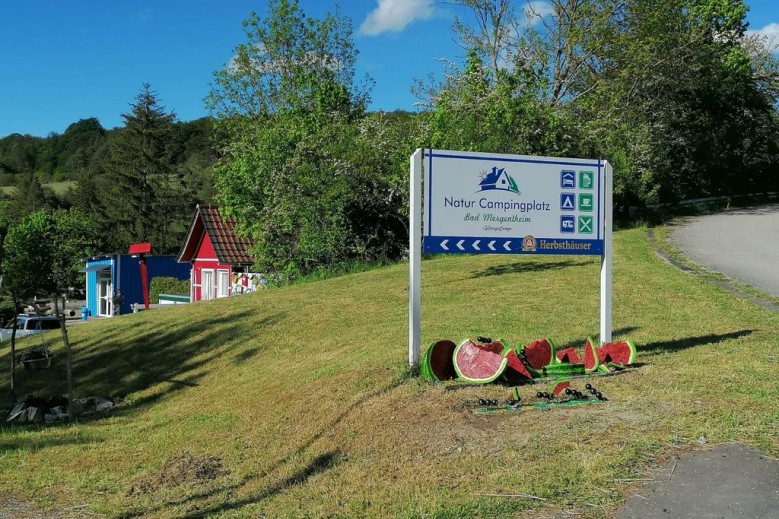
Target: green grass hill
[296, 402]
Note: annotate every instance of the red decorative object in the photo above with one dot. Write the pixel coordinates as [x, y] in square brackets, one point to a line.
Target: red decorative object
[141, 249]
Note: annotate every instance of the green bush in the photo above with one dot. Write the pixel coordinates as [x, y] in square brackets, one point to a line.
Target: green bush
[167, 285]
[7, 310]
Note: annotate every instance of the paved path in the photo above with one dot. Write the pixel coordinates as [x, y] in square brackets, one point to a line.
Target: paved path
[728, 482]
[742, 244]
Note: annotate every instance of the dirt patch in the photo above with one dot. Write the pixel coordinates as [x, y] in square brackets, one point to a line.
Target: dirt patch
[183, 469]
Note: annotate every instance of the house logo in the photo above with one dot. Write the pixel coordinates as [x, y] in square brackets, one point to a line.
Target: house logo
[528, 244]
[567, 179]
[498, 179]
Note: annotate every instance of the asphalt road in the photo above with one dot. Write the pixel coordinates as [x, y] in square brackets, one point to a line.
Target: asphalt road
[727, 482]
[742, 244]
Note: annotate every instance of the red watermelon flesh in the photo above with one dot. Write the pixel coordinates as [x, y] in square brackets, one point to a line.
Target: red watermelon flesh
[440, 361]
[560, 387]
[539, 353]
[568, 356]
[622, 353]
[479, 363]
[516, 372]
[591, 360]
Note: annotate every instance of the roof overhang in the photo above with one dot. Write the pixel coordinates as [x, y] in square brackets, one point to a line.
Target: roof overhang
[96, 268]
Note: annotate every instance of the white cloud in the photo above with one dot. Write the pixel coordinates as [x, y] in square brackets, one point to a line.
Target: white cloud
[535, 10]
[768, 36]
[395, 15]
[771, 30]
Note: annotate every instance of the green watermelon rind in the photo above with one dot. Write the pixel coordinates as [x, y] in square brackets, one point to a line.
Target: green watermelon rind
[427, 373]
[564, 369]
[460, 374]
[506, 347]
[590, 346]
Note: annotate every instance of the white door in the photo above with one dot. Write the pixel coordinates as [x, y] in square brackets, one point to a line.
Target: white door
[222, 283]
[105, 306]
[206, 284]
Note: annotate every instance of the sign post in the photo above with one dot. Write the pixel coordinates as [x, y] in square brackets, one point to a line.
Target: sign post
[415, 259]
[481, 203]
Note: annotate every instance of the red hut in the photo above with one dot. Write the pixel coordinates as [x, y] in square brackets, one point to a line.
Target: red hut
[219, 257]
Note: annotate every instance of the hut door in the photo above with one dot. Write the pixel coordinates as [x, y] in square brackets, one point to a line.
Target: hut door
[104, 293]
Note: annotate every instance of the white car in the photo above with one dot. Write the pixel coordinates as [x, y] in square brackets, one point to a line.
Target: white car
[29, 325]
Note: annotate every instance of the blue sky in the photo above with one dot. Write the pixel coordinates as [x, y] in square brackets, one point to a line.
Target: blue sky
[68, 60]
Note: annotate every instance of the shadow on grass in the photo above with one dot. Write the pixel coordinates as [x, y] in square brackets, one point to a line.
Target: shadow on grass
[169, 356]
[526, 267]
[690, 342]
[318, 465]
[36, 443]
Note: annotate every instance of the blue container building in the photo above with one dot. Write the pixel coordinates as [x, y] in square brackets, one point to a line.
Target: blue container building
[114, 282]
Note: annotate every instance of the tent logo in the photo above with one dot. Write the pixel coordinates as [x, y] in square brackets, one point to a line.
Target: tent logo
[498, 179]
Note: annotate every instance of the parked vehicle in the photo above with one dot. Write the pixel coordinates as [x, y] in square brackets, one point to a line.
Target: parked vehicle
[29, 325]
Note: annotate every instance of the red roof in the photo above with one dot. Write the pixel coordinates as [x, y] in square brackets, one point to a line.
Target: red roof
[230, 248]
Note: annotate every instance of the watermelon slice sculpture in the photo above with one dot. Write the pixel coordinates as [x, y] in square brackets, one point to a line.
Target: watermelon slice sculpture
[438, 363]
[569, 356]
[621, 353]
[479, 363]
[563, 370]
[516, 372]
[560, 386]
[591, 360]
[538, 354]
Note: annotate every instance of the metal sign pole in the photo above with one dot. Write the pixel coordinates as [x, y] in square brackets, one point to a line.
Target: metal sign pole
[415, 257]
[605, 263]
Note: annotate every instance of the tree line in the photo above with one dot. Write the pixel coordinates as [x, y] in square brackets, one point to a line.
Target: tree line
[136, 183]
[674, 93]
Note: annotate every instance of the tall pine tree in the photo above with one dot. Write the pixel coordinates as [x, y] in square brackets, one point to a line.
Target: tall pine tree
[144, 196]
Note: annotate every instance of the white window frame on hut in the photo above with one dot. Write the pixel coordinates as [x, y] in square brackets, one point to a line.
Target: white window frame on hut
[222, 283]
[207, 288]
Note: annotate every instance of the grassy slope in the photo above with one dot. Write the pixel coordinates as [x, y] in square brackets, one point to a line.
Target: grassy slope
[302, 393]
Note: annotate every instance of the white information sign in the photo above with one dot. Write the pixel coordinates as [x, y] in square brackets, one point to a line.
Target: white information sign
[483, 203]
[480, 203]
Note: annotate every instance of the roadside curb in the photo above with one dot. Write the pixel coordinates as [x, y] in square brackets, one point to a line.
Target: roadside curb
[733, 289]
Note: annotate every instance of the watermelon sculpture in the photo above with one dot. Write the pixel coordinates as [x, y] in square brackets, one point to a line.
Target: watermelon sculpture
[516, 372]
[479, 363]
[591, 360]
[538, 354]
[562, 370]
[560, 386]
[568, 356]
[621, 353]
[438, 361]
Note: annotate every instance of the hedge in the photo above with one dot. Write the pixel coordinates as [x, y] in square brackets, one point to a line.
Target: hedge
[167, 285]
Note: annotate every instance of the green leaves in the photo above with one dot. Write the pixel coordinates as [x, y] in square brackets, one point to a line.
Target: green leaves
[43, 252]
[314, 181]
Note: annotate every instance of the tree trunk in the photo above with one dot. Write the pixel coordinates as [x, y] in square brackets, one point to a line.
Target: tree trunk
[68, 354]
[13, 353]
